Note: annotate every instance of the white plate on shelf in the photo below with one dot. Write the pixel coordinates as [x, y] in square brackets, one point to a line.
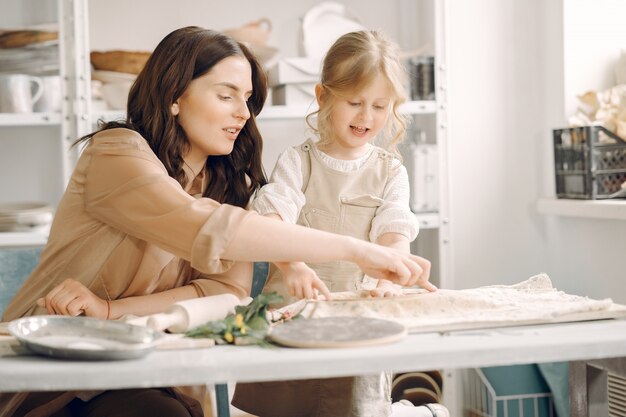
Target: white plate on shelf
[323, 24]
[83, 338]
[22, 216]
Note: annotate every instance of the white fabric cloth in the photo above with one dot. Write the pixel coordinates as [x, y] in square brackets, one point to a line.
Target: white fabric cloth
[532, 301]
[283, 195]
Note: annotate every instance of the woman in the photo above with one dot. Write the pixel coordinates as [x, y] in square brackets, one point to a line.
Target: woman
[154, 213]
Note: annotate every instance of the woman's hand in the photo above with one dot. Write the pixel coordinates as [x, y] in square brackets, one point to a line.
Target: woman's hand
[302, 281]
[393, 265]
[72, 298]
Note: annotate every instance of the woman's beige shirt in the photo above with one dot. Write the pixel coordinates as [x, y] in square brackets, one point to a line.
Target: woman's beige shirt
[124, 227]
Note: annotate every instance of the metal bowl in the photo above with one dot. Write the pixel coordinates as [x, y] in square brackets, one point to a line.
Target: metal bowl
[83, 338]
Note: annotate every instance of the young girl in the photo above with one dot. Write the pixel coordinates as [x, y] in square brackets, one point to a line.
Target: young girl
[344, 184]
[154, 213]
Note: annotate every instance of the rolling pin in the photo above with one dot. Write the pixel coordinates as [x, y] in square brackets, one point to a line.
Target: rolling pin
[185, 315]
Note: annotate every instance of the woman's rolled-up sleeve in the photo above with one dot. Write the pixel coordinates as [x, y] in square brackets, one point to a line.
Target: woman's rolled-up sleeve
[128, 188]
[237, 280]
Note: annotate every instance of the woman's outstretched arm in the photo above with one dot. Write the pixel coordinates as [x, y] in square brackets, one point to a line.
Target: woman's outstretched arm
[260, 238]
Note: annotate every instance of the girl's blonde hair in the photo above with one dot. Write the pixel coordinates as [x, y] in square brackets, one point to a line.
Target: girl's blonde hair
[352, 63]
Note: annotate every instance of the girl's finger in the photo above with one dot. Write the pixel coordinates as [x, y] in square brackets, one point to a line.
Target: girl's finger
[319, 285]
[309, 294]
[298, 292]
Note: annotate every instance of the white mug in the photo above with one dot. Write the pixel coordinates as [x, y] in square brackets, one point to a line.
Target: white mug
[51, 98]
[16, 93]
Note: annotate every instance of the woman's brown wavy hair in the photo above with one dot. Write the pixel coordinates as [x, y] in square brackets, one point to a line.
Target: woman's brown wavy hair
[182, 56]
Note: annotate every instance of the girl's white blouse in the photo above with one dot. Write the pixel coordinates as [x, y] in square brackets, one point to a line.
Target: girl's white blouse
[283, 194]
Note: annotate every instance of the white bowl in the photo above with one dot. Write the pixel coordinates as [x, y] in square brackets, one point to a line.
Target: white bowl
[112, 76]
[116, 94]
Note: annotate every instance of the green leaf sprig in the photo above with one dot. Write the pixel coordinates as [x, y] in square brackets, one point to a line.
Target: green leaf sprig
[248, 326]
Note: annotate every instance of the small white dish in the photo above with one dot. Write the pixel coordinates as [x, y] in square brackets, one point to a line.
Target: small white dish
[22, 216]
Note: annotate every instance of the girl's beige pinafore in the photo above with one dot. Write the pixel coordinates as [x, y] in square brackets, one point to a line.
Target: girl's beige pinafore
[345, 203]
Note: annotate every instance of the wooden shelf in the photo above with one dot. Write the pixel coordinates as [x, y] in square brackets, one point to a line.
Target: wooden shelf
[591, 209]
[29, 119]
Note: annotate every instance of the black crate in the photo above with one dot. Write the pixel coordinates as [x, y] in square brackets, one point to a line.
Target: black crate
[589, 162]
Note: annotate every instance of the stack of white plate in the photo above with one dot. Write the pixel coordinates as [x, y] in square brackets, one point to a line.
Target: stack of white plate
[35, 59]
[25, 217]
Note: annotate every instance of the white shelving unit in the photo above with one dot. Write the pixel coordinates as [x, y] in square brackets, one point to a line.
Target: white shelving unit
[42, 125]
[77, 119]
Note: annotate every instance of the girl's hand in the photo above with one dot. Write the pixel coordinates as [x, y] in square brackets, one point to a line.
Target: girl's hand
[72, 298]
[302, 281]
[386, 288]
[393, 265]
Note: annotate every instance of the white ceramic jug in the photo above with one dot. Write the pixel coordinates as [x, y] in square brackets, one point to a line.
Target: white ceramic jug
[17, 94]
[52, 96]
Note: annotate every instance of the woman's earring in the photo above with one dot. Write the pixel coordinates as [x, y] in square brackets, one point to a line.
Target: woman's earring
[175, 109]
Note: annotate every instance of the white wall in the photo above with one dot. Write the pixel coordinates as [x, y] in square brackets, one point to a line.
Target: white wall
[18, 14]
[510, 78]
[30, 165]
[142, 24]
[594, 34]
[585, 254]
[495, 118]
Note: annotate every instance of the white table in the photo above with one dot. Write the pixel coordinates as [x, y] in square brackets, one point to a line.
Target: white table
[454, 350]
